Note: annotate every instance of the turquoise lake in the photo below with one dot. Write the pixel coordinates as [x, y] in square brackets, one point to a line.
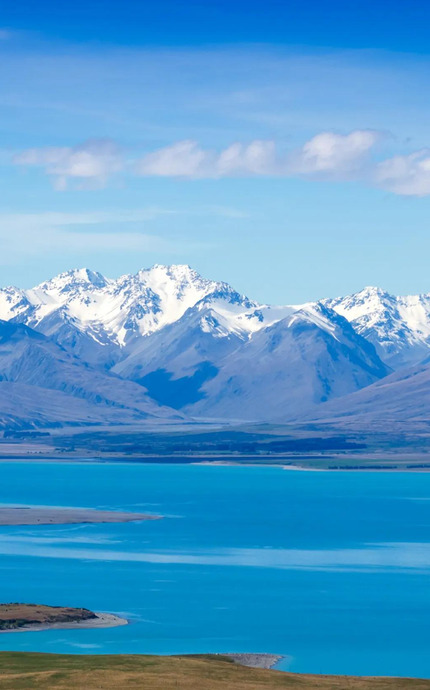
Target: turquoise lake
[330, 569]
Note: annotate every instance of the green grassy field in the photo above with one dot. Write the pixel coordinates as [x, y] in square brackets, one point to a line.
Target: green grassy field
[24, 671]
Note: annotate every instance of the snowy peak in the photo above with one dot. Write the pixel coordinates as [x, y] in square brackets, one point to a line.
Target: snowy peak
[179, 275]
[158, 296]
[368, 302]
[321, 322]
[83, 309]
[13, 302]
[399, 327]
[73, 282]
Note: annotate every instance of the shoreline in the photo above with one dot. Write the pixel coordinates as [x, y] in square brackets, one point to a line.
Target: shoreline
[254, 660]
[373, 466]
[101, 620]
[400, 460]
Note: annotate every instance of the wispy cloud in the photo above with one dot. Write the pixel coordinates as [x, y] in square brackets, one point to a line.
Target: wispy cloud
[329, 153]
[408, 175]
[95, 161]
[326, 156]
[121, 231]
[90, 163]
[33, 221]
[101, 232]
[188, 159]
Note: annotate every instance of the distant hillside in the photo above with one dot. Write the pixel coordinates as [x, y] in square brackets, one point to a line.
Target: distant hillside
[42, 385]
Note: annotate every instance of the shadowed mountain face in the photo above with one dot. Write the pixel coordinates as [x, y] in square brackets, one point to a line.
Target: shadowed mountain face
[306, 359]
[166, 340]
[402, 396]
[41, 384]
[174, 363]
[178, 393]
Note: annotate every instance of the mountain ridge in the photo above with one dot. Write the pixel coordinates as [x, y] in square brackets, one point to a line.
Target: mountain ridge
[189, 344]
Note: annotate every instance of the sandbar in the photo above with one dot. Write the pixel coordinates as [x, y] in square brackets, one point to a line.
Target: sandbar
[47, 515]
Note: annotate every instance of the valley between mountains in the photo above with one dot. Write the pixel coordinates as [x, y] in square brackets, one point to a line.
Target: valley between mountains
[167, 345]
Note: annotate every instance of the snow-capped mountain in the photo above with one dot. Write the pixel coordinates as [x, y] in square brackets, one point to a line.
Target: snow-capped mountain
[399, 327]
[174, 362]
[97, 318]
[307, 358]
[41, 384]
[167, 339]
[208, 365]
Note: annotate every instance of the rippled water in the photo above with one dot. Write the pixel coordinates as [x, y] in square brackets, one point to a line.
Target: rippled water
[330, 569]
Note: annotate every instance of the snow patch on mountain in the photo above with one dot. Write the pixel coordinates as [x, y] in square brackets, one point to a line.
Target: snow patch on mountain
[399, 327]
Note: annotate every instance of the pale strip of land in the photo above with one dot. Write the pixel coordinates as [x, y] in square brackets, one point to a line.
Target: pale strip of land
[255, 660]
[46, 515]
[19, 670]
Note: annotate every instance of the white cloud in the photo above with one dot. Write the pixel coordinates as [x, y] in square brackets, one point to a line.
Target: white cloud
[92, 162]
[326, 154]
[329, 153]
[256, 158]
[407, 175]
[33, 221]
[182, 159]
[188, 159]
[95, 161]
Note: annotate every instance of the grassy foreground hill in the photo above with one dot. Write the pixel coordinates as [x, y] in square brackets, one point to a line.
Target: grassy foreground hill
[25, 671]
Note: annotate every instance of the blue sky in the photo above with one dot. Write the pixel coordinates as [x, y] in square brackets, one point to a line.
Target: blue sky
[281, 146]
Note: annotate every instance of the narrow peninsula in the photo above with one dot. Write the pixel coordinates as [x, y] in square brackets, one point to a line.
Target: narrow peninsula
[21, 617]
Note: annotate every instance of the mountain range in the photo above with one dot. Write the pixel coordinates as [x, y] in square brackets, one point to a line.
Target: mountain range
[167, 344]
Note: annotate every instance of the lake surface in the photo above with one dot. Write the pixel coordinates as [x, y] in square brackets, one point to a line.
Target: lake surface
[331, 569]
